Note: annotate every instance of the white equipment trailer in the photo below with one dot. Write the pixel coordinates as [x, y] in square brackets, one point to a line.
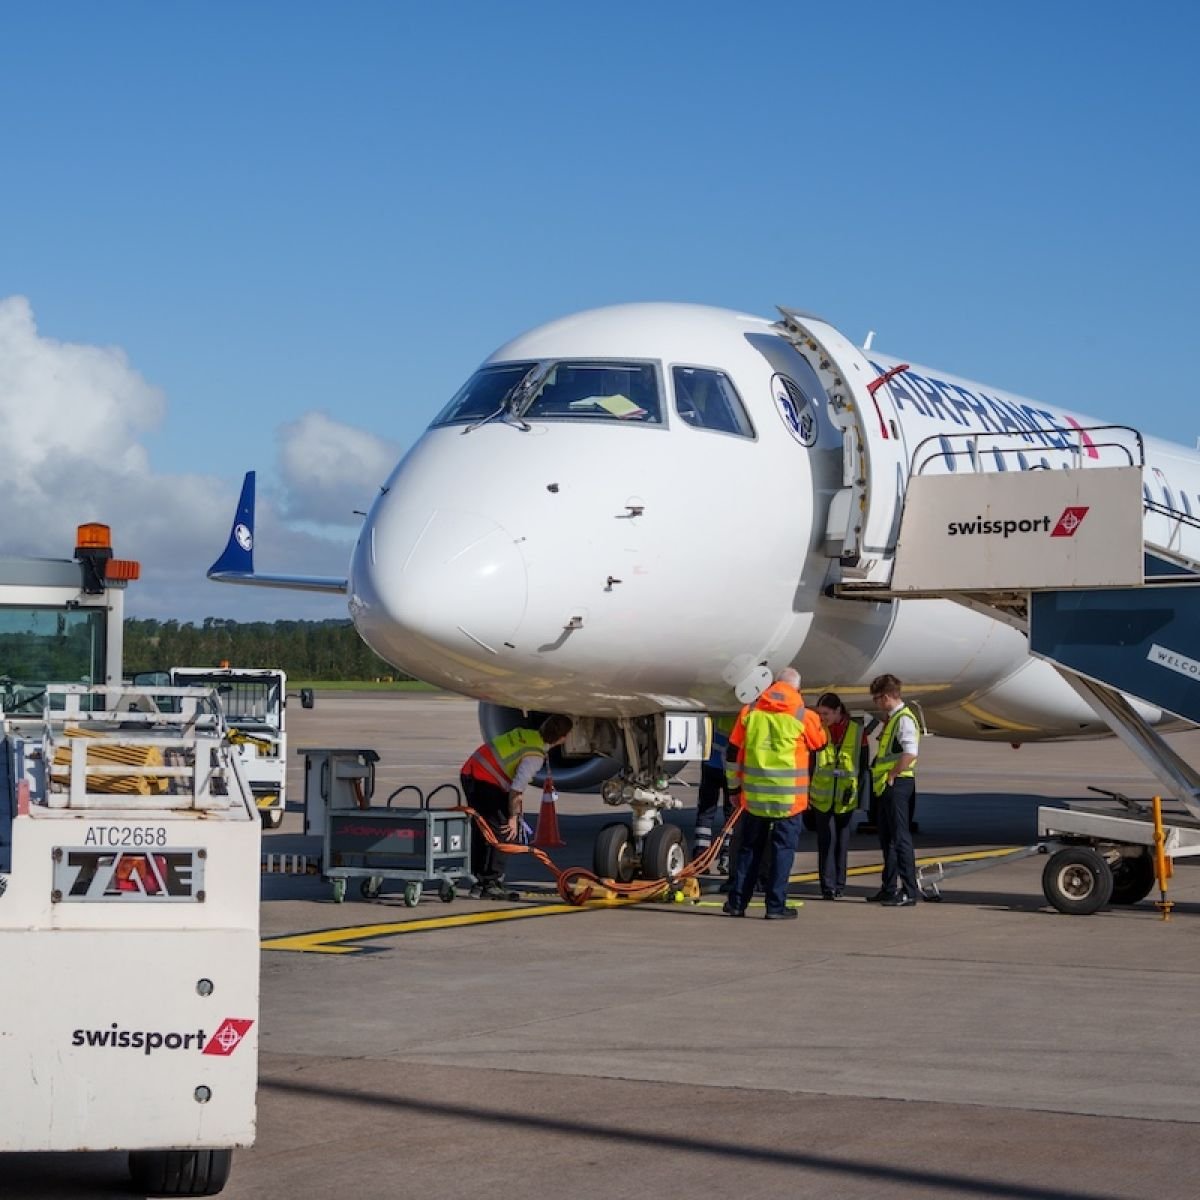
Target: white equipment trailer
[255, 704]
[129, 896]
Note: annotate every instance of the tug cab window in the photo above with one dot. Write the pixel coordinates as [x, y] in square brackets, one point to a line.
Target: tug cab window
[707, 399]
[48, 645]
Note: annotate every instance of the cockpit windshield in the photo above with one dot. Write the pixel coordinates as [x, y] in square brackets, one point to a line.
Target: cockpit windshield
[484, 394]
[567, 390]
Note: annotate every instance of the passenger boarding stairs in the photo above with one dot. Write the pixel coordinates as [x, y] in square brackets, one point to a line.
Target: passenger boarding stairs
[1103, 580]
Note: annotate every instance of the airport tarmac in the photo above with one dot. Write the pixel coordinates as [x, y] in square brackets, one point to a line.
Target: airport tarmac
[986, 1046]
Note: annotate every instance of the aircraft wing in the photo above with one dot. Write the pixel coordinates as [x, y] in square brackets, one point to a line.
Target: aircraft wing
[236, 564]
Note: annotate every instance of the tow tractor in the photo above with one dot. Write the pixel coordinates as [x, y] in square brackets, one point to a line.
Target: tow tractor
[129, 890]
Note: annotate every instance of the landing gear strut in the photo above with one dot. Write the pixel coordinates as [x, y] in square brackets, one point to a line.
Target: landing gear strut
[647, 845]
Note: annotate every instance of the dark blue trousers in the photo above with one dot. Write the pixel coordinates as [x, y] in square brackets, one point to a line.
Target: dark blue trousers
[895, 838]
[757, 833]
[833, 847]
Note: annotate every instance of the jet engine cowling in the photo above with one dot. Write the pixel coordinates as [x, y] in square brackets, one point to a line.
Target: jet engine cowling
[572, 771]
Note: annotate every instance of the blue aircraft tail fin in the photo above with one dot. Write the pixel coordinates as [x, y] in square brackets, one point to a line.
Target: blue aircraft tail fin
[236, 564]
[238, 556]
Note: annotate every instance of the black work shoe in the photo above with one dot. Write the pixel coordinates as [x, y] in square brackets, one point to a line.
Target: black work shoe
[879, 897]
[899, 900]
[828, 894]
[784, 914]
[728, 909]
[495, 891]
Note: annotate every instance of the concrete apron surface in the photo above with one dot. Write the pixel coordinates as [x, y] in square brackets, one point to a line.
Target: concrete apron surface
[982, 1047]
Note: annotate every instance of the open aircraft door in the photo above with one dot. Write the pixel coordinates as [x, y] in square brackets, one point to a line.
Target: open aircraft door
[864, 516]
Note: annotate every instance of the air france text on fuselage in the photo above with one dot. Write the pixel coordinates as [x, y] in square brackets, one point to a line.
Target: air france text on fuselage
[954, 404]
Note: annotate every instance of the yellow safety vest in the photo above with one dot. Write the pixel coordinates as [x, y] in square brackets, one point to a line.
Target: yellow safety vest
[773, 771]
[498, 759]
[835, 778]
[890, 752]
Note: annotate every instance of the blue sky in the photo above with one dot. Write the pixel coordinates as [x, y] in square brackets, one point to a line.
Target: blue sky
[279, 235]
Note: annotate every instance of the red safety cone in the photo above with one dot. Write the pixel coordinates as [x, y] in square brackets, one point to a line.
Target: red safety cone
[546, 835]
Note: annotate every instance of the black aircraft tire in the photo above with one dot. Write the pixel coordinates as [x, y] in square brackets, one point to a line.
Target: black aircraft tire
[1077, 881]
[664, 853]
[1133, 879]
[613, 856]
[180, 1172]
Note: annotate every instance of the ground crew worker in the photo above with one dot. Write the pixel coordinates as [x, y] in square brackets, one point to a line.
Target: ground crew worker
[833, 792]
[493, 781]
[712, 790]
[771, 747]
[893, 781]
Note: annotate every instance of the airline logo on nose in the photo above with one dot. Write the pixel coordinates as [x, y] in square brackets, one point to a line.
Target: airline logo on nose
[1071, 519]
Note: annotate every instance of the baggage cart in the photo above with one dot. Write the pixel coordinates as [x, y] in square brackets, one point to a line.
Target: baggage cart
[420, 845]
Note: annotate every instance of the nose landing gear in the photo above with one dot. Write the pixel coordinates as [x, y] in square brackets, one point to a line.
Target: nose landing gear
[647, 846]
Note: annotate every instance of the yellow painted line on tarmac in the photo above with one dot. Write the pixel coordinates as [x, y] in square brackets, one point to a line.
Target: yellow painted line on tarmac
[336, 941]
[877, 868]
[332, 941]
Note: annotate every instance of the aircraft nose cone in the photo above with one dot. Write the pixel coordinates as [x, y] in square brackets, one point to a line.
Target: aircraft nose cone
[432, 590]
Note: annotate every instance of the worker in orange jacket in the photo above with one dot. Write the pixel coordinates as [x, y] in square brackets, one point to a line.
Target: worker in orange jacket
[771, 748]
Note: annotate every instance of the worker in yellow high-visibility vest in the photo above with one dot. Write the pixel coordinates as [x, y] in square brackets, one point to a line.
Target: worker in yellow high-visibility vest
[771, 749]
[833, 791]
[493, 781]
[893, 781]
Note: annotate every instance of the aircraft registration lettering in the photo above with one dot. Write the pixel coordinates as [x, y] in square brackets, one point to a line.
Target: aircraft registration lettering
[685, 737]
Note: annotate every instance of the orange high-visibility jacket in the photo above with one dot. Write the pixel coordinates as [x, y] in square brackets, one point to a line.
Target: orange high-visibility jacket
[774, 737]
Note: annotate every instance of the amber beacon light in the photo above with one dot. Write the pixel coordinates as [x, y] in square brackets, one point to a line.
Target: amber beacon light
[93, 549]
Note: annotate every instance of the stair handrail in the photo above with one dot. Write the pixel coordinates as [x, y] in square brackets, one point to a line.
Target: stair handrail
[1081, 449]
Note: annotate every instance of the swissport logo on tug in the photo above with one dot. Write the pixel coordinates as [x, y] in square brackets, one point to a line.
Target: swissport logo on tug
[1066, 526]
[229, 1036]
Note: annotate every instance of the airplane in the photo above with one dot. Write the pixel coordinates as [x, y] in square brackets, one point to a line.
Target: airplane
[652, 508]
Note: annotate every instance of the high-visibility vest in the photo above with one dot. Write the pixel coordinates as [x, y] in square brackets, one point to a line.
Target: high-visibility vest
[497, 761]
[772, 765]
[834, 782]
[890, 751]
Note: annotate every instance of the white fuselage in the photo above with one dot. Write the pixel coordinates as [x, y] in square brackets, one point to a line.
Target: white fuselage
[599, 564]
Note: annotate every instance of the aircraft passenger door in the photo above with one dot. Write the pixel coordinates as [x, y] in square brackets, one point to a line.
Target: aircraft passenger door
[874, 456]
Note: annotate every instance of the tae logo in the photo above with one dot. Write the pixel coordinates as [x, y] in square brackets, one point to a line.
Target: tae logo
[1071, 519]
[228, 1038]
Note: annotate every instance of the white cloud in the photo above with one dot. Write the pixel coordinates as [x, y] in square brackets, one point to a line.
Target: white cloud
[330, 469]
[73, 419]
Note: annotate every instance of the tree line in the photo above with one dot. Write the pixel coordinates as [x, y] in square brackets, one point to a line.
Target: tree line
[310, 650]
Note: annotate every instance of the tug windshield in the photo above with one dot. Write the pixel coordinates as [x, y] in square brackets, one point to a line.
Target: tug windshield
[47, 645]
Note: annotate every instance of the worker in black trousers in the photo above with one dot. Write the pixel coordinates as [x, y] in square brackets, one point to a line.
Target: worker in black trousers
[893, 784]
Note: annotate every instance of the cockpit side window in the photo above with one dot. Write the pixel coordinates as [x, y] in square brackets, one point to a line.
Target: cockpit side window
[598, 391]
[483, 394]
[707, 399]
